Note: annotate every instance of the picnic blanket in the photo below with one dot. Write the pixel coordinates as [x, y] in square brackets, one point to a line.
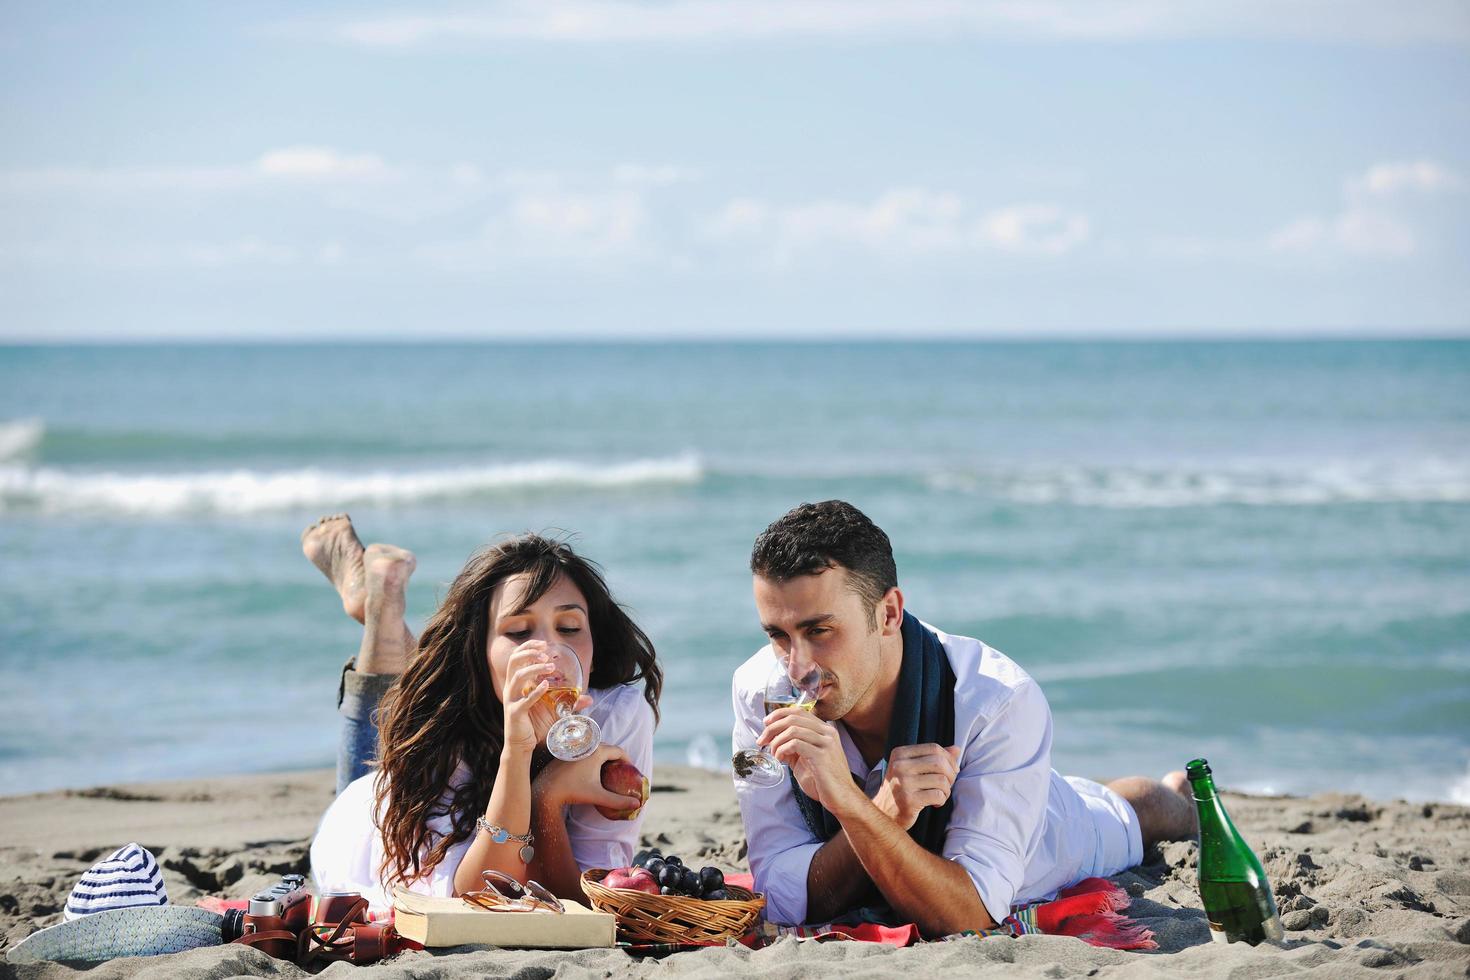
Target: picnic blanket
[1090, 910]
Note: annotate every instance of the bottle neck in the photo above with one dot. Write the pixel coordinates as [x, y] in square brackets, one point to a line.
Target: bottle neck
[1214, 823]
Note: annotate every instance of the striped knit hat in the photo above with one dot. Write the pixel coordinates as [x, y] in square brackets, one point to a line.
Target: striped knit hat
[129, 877]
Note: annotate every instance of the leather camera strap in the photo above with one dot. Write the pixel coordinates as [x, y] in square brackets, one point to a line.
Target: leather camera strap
[352, 938]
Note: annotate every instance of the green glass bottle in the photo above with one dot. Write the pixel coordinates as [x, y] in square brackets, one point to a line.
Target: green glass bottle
[1232, 883]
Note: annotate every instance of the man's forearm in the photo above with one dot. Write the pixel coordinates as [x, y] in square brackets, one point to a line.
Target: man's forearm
[935, 894]
[554, 862]
[835, 881]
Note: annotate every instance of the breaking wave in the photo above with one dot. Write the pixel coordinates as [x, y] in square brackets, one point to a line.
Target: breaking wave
[1419, 481]
[18, 437]
[51, 490]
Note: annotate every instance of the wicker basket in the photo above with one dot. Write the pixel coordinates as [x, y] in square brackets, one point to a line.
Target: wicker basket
[645, 918]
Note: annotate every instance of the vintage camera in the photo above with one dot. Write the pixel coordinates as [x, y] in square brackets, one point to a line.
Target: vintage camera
[284, 907]
[278, 921]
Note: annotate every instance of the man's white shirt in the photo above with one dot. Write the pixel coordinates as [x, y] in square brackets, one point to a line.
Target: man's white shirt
[1020, 830]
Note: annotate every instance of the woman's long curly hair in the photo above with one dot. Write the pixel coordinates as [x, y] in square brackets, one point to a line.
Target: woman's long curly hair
[444, 709]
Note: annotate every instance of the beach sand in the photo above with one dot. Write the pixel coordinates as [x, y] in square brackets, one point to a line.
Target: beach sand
[1365, 888]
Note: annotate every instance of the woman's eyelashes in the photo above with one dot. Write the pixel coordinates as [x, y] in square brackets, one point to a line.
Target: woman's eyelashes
[521, 635]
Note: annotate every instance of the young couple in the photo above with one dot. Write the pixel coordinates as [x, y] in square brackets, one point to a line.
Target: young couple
[921, 789]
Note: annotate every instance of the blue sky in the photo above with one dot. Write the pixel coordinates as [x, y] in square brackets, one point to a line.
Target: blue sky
[713, 168]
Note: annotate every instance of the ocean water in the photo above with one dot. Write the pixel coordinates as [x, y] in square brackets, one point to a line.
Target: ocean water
[1256, 552]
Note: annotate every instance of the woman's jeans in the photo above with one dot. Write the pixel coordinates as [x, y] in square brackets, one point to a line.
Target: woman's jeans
[357, 702]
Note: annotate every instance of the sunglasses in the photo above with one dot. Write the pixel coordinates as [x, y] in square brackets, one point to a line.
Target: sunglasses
[502, 893]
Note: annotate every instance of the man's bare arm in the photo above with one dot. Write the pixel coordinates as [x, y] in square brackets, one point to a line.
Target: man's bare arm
[924, 888]
[936, 894]
[836, 882]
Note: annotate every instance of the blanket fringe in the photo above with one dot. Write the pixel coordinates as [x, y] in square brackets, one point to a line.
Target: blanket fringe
[1091, 910]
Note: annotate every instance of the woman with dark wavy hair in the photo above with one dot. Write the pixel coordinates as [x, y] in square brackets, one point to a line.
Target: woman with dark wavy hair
[463, 782]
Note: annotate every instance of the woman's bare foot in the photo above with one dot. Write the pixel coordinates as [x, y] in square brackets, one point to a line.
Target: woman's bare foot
[1178, 781]
[333, 546]
[387, 643]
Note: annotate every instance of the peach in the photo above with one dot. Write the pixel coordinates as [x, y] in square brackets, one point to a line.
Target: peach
[624, 778]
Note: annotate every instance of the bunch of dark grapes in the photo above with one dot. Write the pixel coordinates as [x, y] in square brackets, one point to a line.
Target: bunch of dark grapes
[675, 879]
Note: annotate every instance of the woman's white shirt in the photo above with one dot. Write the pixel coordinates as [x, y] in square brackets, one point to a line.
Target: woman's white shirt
[348, 850]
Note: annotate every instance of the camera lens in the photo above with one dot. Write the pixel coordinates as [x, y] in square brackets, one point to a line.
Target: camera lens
[233, 926]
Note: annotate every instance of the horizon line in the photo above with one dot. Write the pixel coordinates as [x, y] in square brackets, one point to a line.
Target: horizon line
[645, 340]
[734, 341]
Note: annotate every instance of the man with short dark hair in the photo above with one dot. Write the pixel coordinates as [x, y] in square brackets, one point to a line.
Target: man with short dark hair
[923, 790]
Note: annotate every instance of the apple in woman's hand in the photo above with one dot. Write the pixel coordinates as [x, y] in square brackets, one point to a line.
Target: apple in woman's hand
[623, 777]
[637, 879]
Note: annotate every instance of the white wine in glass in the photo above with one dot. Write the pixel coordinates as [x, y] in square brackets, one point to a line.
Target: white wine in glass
[572, 736]
[757, 767]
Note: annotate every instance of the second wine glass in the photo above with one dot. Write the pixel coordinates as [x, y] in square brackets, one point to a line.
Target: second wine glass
[757, 767]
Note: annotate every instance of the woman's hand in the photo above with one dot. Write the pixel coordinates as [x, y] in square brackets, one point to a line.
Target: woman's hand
[526, 676]
[565, 783]
[528, 716]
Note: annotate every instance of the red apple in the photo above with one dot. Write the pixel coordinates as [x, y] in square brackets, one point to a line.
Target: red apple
[625, 779]
[638, 879]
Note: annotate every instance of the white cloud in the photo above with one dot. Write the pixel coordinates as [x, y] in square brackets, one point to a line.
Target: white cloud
[1299, 235]
[1425, 176]
[587, 21]
[291, 163]
[108, 179]
[576, 222]
[1375, 218]
[245, 251]
[105, 252]
[321, 163]
[738, 218]
[540, 224]
[901, 221]
[653, 176]
[617, 222]
[1372, 232]
[466, 175]
[1043, 228]
[1356, 231]
[525, 215]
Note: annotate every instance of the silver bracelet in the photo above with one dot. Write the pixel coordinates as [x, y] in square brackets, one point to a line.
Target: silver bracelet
[499, 835]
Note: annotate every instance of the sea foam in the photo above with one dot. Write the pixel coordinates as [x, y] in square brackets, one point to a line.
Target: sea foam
[1261, 484]
[18, 437]
[1460, 790]
[52, 490]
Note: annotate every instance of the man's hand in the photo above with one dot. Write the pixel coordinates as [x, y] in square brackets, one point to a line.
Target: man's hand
[917, 776]
[811, 748]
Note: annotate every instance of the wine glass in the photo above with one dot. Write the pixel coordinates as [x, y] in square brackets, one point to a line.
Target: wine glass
[571, 736]
[757, 767]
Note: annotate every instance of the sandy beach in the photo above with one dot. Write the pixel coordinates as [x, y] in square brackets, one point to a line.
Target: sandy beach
[1366, 888]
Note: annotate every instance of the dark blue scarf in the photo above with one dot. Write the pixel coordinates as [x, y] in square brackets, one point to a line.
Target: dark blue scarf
[923, 711]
